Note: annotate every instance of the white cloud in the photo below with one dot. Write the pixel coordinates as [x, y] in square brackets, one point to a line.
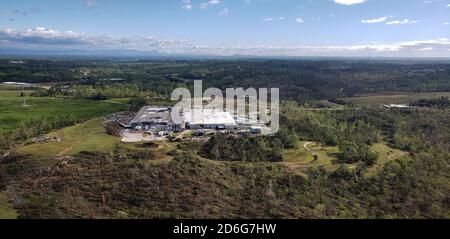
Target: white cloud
[376, 20]
[271, 19]
[41, 38]
[431, 1]
[405, 21]
[90, 3]
[208, 4]
[187, 5]
[349, 2]
[224, 12]
[35, 9]
[299, 20]
[426, 49]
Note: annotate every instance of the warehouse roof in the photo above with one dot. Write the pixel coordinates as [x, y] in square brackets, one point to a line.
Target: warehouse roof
[208, 117]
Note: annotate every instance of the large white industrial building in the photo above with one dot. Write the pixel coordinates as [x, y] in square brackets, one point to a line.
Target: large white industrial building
[208, 119]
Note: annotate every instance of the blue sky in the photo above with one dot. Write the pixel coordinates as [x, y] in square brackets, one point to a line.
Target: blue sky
[226, 27]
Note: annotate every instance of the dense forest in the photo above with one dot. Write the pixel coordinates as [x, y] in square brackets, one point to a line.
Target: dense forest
[299, 80]
[125, 185]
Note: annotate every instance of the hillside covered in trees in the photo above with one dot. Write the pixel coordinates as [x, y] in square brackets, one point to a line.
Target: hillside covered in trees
[230, 176]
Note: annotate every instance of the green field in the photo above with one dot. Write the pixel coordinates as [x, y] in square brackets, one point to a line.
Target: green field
[12, 113]
[301, 158]
[88, 136]
[394, 98]
[385, 155]
[6, 209]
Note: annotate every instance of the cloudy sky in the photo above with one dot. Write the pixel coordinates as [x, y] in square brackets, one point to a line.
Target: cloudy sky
[404, 28]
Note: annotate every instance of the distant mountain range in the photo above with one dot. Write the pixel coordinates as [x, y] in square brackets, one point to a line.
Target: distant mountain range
[159, 55]
[109, 53]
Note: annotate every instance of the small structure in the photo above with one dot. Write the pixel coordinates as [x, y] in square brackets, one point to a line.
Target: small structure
[47, 139]
[16, 62]
[17, 84]
[199, 132]
[256, 129]
[397, 106]
[163, 133]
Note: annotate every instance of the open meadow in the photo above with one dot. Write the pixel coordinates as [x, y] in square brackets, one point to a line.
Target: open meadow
[87, 136]
[393, 98]
[12, 112]
[313, 155]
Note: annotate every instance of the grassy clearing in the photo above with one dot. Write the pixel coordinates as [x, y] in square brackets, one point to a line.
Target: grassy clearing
[324, 104]
[297, 154]
[13, 93]
[6, 209]
[385, 155]
[88, 136]
[394, 98]
[300, 158]
[12, 114]
[161, 151]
